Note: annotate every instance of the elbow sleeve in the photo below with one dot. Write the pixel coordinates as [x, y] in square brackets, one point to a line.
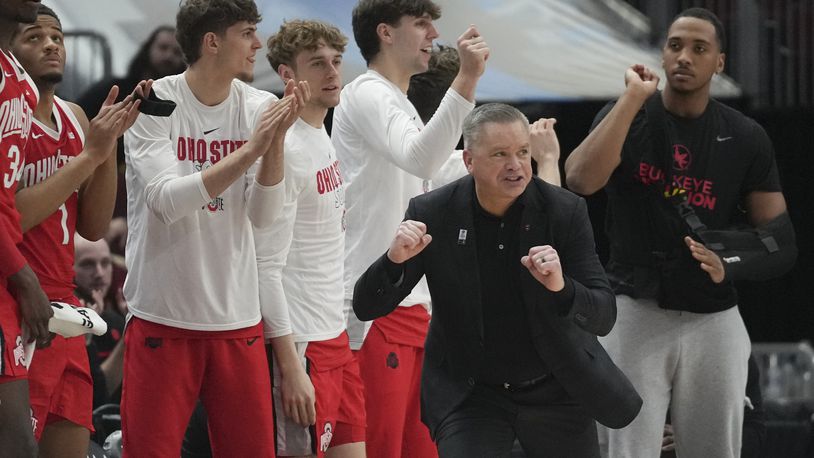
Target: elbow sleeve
[265, 203]
[755, 254]
[170, 199]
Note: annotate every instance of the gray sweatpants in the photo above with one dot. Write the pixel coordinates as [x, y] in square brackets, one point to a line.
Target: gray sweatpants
[695, 364]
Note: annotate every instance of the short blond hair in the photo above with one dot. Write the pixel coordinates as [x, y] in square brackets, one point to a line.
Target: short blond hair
[301, 35]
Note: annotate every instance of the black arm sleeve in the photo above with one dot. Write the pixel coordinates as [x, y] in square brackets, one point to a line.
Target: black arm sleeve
[755, 254]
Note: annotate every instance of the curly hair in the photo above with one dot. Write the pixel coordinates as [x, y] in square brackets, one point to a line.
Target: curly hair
[196, 18]
[302, 35]
[368, 14]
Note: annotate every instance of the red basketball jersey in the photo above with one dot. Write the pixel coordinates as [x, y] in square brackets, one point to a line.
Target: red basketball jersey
[18, 98]
[48, 247]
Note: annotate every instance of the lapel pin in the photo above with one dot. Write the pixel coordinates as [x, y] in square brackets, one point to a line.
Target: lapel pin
[461, 236]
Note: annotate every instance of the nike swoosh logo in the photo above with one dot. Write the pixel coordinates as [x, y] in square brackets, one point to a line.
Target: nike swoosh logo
[207, 132]
[7, 75]
[722, 139]
[35, 136]
[251, 341]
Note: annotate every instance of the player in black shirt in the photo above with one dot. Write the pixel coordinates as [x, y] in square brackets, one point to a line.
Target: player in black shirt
[678, 166]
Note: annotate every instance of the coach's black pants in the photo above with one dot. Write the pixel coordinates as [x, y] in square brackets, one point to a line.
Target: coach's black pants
[544, 419]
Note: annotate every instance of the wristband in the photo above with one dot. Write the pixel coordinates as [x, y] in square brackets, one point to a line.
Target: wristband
[154, 106]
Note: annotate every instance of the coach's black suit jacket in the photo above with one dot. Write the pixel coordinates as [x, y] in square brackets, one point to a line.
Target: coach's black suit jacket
[564, 332]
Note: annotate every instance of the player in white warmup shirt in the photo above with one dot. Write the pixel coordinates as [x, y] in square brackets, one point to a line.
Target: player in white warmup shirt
[197, 181]
[388, 156]
[300, 261]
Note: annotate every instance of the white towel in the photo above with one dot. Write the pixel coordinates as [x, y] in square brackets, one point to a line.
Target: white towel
[70, 321]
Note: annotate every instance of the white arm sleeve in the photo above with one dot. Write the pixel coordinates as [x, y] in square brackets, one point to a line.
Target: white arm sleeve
[421, 152]
[272, 245]
[263, 203]
[169, 194]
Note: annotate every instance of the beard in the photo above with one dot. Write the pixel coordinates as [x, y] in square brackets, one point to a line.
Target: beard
[51, 78]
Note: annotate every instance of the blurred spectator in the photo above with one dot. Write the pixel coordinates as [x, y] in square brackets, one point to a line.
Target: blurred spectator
[157, 57]
[427, 89]
[94, 272]
[116, 237]
[100, 396]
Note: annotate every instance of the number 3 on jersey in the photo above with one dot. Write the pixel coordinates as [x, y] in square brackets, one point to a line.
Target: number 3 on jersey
[12, 176]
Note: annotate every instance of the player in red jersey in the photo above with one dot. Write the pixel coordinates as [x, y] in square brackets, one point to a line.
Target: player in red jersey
[21, 297]
[67, 184]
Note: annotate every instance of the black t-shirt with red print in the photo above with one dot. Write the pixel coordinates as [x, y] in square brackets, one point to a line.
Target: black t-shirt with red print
[715, 160]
